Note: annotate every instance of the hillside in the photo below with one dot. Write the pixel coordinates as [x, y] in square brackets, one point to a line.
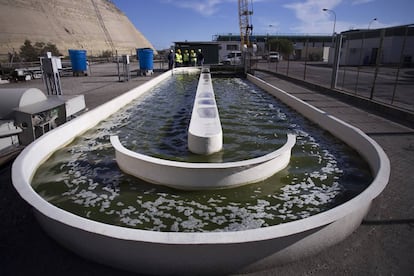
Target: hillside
[93, 25]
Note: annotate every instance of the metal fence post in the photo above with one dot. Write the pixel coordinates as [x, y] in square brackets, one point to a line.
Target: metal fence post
[377, 63]
[400, 64]
[335, 65]
[361, 55]
[287, 67]
[117, 65]
[345, 62]
[306, 58]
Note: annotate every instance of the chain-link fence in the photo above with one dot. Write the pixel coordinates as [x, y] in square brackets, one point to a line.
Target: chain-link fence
[374, 64]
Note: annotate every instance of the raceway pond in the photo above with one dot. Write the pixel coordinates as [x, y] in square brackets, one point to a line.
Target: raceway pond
[83, 177]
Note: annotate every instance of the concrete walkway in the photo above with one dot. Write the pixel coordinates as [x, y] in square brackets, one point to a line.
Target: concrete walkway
[382, 245]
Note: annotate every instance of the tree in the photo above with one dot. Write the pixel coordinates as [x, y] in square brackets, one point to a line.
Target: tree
[284, 46]
[51, 48]
[106, 54]
[29, 52]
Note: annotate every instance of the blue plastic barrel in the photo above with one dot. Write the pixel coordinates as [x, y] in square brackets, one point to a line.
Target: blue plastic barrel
[78, 60]
[145, 56]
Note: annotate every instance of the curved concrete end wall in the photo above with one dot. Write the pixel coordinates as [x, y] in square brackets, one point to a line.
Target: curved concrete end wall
[198, 253]
[202, 176]
[354, 137]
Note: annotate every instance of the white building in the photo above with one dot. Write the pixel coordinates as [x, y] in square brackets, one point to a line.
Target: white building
[311, 47]
[392, 46]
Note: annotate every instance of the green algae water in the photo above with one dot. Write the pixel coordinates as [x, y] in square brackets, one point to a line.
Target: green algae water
[83, 177]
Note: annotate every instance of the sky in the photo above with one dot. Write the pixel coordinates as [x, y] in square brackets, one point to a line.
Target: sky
[163, 22]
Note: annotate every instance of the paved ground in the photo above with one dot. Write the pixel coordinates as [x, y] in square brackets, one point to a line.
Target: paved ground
[382, 245]
[388, 89]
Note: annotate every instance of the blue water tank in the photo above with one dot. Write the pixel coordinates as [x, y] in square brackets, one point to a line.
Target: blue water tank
[145, 56]
[78, 60]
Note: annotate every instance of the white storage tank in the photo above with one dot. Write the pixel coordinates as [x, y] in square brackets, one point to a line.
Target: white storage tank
[12, 98]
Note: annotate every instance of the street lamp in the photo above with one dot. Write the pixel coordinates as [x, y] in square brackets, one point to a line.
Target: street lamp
[268, 38]
[369, 25]
[331, 11]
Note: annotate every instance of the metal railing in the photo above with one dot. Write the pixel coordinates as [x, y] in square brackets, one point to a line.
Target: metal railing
[374, 64]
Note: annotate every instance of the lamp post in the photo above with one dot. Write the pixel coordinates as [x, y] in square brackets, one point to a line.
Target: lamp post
[268, 44]
[333, 12]
[369, 25]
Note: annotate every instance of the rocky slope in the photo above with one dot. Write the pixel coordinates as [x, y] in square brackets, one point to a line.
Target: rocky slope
[93, 25]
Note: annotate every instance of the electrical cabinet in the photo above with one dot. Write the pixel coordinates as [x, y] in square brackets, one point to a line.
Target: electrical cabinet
[39, 118]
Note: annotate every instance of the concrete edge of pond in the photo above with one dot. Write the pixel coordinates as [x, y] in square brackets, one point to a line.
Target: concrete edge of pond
[199, 253]
[202, 176]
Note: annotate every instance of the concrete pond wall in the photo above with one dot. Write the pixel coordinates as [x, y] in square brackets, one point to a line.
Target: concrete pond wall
[208, 253]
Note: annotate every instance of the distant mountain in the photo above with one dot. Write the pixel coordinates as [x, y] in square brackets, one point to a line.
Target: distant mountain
[93, 25]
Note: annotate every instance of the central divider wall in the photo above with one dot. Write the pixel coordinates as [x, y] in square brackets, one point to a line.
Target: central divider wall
[205, 135]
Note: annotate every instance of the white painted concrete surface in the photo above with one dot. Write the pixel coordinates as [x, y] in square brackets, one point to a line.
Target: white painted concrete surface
[73, 104]
[205, 135]
[199, 253]
[11, 98]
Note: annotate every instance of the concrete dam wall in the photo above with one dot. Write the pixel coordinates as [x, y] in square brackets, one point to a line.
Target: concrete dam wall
[93, 25]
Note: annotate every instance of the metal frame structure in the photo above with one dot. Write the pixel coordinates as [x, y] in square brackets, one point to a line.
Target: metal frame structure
[246, 28]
